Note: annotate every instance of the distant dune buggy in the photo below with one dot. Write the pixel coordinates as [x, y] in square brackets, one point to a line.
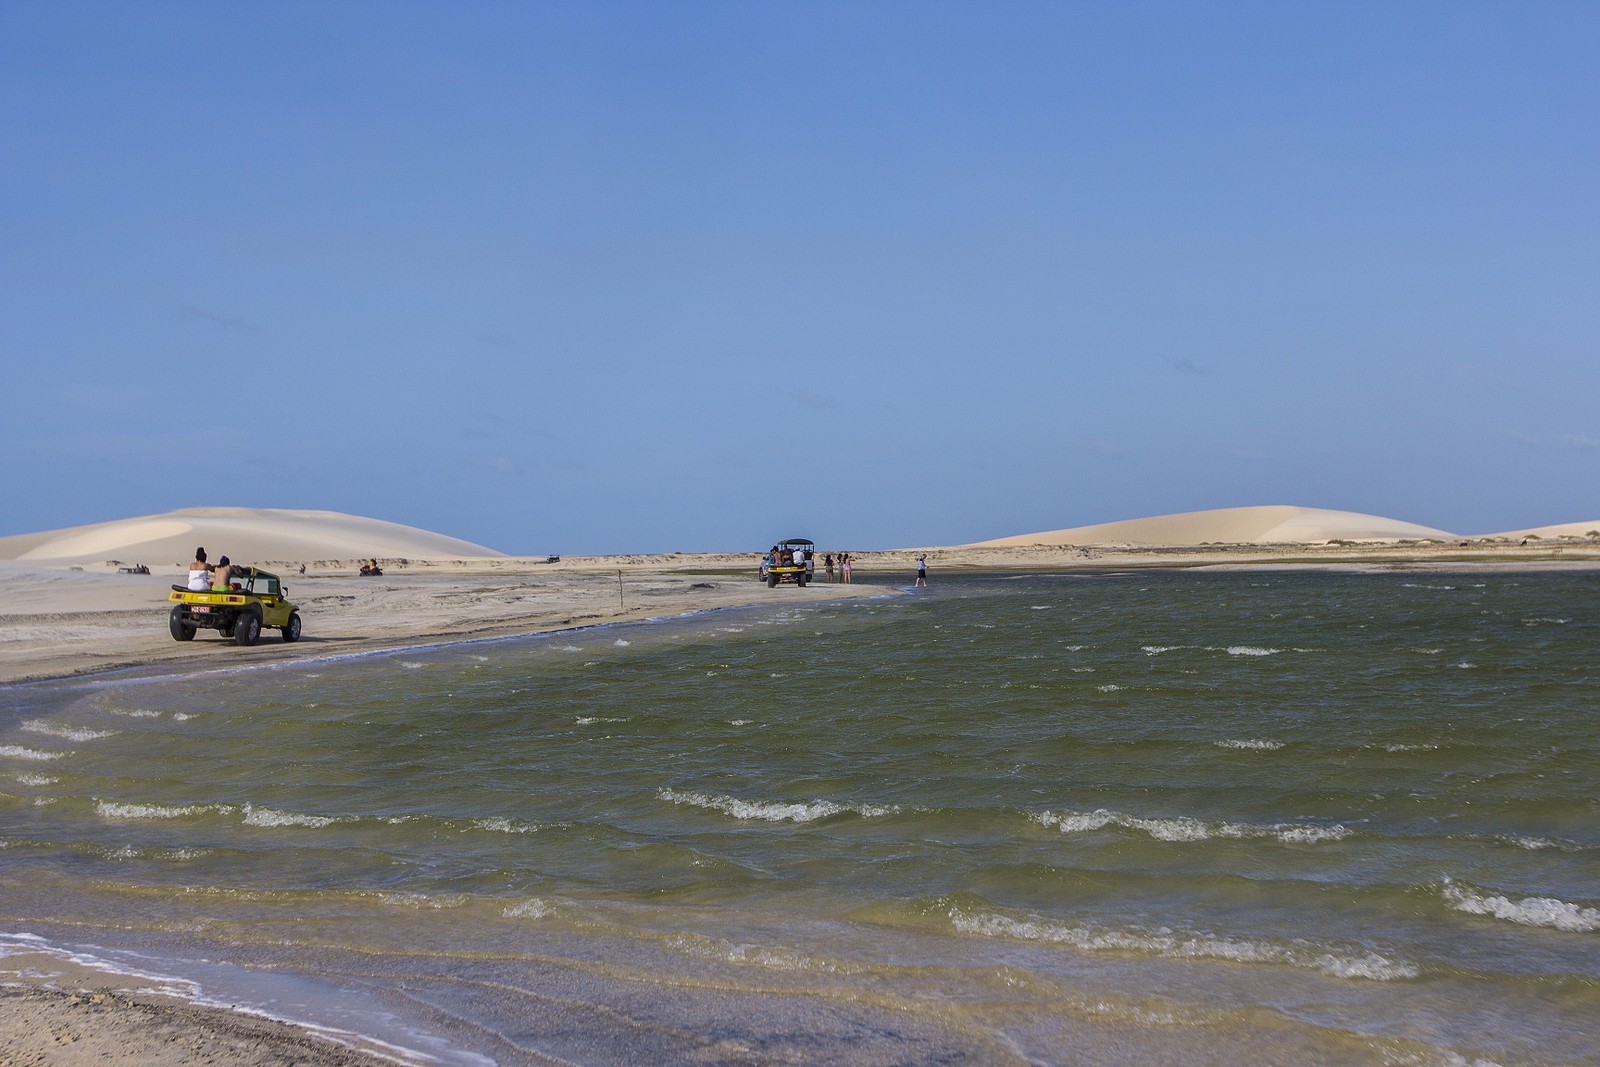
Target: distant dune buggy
[789, 561]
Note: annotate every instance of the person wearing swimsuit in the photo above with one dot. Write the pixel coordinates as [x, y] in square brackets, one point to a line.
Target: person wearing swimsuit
[200, 572]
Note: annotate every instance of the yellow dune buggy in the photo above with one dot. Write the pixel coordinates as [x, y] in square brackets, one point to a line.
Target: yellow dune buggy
[256, 600]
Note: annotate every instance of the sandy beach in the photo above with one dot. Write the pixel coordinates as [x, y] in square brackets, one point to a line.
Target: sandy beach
[80, 1028]
[79, 612]
[58, 622]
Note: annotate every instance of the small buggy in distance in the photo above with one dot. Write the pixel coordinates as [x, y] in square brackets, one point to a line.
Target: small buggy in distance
[789, 561]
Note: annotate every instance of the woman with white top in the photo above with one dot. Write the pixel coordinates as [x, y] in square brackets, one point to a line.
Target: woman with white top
[200, 572]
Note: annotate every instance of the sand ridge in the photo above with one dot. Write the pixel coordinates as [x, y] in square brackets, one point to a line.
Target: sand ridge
[1274, 524]
[255, 534]
[279, 537]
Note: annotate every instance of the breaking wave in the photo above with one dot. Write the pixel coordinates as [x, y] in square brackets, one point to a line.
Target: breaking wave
[1170, 945]
[109, 809]
[1529, 911]
[254, 816]
[66, 733]
[18, 752]
[1186, 828]
[774, 811]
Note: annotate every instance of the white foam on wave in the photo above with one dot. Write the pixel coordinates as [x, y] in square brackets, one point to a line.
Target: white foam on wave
[65, 732]
[774, 811]
[1534, 844]
[1252, 650]
[1109, 687]
[501, 825]
[1529, 911]
[37, 779]
[1186, 828]
[1170, 945]
[1156, 650]
[590, 720]
[532, 908]
[111, 809]
[19, 752]
[254, 816]
[173, 855]
[620, 643]
[1250, 743]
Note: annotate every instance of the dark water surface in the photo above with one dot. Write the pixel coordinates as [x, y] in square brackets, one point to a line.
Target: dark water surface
[1186, 817]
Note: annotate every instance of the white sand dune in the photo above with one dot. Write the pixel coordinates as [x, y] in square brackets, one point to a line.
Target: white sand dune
[1560, 529]
[248, 535]
[1280, 524]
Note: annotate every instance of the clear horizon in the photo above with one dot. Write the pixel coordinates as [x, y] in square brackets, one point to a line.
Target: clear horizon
[629, 278]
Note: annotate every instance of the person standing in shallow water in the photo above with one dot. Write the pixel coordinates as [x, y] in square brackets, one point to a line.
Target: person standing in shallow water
[827, 566]
[844, 567]
[922, 571]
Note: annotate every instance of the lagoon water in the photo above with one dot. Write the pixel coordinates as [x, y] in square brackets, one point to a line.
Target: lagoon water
[1195, 818]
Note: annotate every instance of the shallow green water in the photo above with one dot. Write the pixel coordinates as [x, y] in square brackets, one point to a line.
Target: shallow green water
[1203, 818]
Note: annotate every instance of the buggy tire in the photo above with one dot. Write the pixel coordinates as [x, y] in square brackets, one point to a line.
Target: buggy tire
[800, 580]
[291, 630]
[247, 628]
[772, 581]
[180, 630]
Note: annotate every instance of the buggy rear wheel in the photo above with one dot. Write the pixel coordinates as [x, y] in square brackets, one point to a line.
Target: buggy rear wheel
[181, 631]
[247, 628]
[291, 629]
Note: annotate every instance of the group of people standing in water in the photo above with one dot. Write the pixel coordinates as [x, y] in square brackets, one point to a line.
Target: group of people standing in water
[844, 566]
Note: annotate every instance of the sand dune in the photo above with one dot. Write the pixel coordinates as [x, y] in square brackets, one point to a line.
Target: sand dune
[1560, 529]
[261, 535]
[247, 534]
[1256, 525]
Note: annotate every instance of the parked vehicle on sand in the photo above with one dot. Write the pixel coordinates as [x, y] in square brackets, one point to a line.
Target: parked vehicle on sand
[789, 561]
[256, 600]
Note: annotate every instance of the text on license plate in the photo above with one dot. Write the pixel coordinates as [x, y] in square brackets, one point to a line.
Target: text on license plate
[201, 609]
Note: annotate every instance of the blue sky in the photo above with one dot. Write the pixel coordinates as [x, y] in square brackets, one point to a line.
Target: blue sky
[610, 277]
